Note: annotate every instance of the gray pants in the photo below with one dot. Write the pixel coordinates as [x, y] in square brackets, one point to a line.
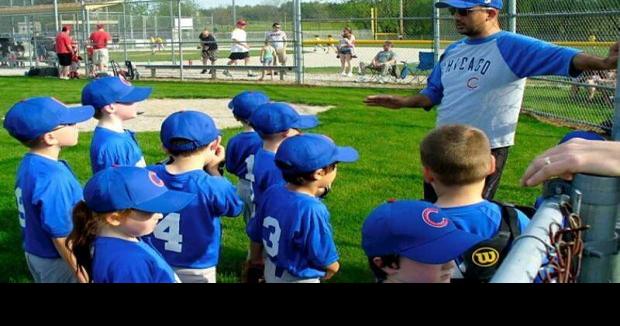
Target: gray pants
[270, 275]
[194, 275]
[50, 270]
[244, 190]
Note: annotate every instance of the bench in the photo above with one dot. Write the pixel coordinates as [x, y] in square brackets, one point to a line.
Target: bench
[280, 69]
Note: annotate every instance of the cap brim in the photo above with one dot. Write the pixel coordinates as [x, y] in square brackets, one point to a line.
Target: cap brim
[306, 121]
[346, 154]
[444, 249]
[136, 95]
[168, 202]
[455, 4]
[230, 105]
[78, 114]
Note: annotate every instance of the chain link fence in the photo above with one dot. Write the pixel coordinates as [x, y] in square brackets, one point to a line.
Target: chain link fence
[147, 32]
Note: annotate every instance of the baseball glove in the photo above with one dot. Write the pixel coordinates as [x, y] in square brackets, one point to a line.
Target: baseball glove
[252, 273]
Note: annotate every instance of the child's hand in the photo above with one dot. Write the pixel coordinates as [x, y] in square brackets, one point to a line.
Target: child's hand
[212, 166]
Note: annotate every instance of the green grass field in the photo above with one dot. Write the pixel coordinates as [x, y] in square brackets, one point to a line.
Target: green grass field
[387, 141]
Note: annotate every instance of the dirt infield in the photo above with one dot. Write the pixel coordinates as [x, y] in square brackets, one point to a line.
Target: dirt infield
[156, 110]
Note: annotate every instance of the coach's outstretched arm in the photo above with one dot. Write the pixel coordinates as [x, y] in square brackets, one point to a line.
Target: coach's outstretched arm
[584, 61]
[575, 156]
[397, 102]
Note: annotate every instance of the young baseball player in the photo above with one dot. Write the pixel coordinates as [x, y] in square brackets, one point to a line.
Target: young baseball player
[410, 241]
[46, 188]
[114, 101]
[274, 122]
[456, 160]
[291, 224]
[122, 204]
[189, 239]
[241, 148]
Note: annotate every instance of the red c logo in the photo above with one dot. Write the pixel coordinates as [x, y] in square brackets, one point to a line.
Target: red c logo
[426, 217]
[155, 180]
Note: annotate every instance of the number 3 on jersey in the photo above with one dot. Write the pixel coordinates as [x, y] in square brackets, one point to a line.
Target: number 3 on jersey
[272, 245]
[168, 230]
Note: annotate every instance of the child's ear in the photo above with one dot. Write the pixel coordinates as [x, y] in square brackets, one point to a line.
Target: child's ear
[319, 174]
[49, 139]
[390, 270]
[428, 175]
[114, 219]
[492, 165]
[109, 109]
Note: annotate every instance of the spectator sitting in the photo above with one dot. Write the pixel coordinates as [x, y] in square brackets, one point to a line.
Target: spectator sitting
[383, 61]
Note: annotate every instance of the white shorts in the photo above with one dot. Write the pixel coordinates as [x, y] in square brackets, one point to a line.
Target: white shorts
[101, 57]
[196, 275]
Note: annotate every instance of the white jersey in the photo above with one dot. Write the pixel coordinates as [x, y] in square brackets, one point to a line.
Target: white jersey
[277, 39]
[481, 82]
[240, 36]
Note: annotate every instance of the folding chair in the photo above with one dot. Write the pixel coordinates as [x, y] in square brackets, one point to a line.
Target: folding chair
[422, 70]
[374, 75]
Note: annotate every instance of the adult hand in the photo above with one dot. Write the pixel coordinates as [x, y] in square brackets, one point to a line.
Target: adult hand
[575, 156]
[388, 101]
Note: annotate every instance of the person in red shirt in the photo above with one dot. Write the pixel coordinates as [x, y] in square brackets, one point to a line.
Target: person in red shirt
[99, 40]
[64, 51]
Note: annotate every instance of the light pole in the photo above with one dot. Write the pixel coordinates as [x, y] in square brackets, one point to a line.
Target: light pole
[234, 9]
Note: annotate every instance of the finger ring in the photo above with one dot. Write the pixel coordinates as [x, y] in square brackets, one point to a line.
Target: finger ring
[547, 160]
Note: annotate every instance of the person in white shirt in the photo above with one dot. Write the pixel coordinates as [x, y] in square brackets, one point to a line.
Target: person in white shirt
[277, 39]
[239, 50]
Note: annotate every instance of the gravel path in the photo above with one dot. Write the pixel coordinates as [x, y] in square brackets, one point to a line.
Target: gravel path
[156, 110]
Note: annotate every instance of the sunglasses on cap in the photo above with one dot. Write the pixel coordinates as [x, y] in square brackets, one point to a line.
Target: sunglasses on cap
[466, 11]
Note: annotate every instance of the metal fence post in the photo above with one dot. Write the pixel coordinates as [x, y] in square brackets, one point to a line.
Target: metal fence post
[512, 15]
[436, 33]
[180, 41]
[616, 136]
[298, 42]
[124, 30]
[598, 209]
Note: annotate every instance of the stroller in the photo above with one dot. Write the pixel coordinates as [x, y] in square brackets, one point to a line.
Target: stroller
[131, 73]
[75, 64]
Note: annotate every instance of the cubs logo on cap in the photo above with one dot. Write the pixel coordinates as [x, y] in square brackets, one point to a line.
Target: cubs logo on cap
[409, 228]
[127, 187]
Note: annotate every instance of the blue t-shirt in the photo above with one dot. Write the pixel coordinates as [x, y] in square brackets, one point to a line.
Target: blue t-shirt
[46, 191]
[266, 173]
[483, 218]
[110, 148]
[191, 237]
[122, 261]
[295, 232]
[238, 149]
[481, 82]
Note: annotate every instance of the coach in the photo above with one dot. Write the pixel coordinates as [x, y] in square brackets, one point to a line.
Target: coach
[480, 79]
[99, 40]
[64, 51]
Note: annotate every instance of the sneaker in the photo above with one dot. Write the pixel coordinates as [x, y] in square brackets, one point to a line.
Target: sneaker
[204, 71]
[350, 74]
[251, 74]
[343, 74]
[226, 73]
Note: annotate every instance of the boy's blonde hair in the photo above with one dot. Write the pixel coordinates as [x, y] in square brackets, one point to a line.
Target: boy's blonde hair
[457, 154]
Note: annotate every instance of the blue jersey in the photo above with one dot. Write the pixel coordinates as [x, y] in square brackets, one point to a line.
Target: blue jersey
[483, 218]
[191, 237]
[481, 82]
[110, 148]
[46, 192]
[122, 261]
[295, 232]
[238, 149]
[265, 173]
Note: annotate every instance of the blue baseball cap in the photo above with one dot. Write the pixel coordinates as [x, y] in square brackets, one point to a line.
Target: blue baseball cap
[194, 126]
[118, 188]
[274, 117]
[469, 3]
[245, 103]
[310, 152]
[107, 90]
[589, 135]
[31, 118]
[417, 230]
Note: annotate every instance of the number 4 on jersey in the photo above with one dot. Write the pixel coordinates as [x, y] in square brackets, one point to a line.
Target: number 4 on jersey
[168, 230]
